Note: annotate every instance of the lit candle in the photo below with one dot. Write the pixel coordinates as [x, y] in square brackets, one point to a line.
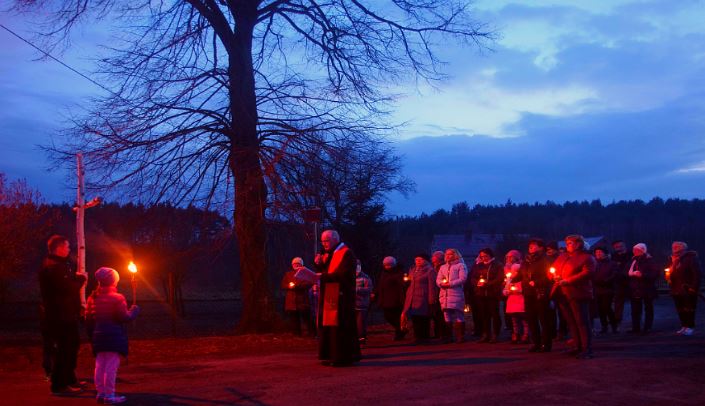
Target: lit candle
[513, 288]
[406, 277]
[508, 275]
[482, 280]
[668, 270]
[291, 284]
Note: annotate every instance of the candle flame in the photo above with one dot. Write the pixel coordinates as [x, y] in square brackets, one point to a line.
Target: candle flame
[132, 267]
[552, 270]
[509, 274]
[667, 270]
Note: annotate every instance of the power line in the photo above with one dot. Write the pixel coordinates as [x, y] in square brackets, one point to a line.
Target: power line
[57, 60]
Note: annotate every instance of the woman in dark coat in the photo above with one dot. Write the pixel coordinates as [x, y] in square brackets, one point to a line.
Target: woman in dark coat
[574, 273]
[389, 295]
[642, 284]
[603, 282]
[684, 278]
[420, 296]
[487, 281]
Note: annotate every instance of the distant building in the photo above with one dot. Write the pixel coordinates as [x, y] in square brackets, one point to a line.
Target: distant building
[590, 242]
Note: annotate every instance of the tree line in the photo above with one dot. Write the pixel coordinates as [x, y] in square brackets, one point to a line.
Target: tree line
[657, 223]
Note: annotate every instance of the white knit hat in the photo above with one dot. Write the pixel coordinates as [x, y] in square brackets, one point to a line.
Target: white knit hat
[297, 260]
[107, 276]
[641, 247]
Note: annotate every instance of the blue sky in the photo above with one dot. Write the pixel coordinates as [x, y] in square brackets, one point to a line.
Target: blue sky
[576, 100]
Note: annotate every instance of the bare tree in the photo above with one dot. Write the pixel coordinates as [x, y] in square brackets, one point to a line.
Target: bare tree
[209, 96]
[24, 223]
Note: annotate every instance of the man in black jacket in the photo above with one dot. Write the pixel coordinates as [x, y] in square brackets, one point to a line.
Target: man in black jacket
[60, 287]
[535, 287]
[622, 260]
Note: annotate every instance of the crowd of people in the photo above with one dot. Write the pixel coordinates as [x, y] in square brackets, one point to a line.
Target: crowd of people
[571, 293]
[548, 294]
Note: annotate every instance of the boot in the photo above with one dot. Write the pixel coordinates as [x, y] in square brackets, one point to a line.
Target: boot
[458, 330]
[447, 333]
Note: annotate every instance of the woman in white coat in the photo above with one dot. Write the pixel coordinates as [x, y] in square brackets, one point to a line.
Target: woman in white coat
[451, 279]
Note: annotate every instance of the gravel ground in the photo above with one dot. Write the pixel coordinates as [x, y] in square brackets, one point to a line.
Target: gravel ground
[656, 369]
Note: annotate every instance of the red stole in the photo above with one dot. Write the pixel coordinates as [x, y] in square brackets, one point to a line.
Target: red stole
[331, 296]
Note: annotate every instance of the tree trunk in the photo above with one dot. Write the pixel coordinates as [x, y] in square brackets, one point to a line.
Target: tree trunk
[250, 188]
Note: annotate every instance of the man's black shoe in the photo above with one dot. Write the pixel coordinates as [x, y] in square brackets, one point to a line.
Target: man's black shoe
[67, 391]
[585, 355]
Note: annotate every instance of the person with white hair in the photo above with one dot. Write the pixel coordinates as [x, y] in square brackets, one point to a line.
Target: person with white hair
[297, 305]
[642, 284]
[390, 294]
[338, 344]
[683, 276]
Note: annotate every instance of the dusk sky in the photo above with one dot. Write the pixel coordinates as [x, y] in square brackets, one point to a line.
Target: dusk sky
[576, 100]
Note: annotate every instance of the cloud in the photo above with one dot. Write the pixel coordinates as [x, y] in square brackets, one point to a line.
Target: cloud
[564, 59]
[610, 156]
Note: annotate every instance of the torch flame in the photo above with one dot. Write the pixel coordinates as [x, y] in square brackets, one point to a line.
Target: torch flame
[132, 267]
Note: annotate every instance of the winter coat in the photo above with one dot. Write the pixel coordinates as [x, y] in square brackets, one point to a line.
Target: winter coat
[493, 274]
[605, 274]
[685, 274]
[60, 288]
[643, 287]
[389, 293]
[106, 313]
[576, 270]
[456, 274]
[535, 269]
[513, 292]
[621, 278]
[363, 289]
[297, 295]
[421, 291]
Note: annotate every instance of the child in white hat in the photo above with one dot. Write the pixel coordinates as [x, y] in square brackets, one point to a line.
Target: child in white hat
[106, 312]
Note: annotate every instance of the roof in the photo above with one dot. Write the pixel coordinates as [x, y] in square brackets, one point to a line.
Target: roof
[590, 242]
[468, 245]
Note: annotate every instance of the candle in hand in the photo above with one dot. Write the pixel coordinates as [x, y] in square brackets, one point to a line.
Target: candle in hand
[291, 284]
[508, 275]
